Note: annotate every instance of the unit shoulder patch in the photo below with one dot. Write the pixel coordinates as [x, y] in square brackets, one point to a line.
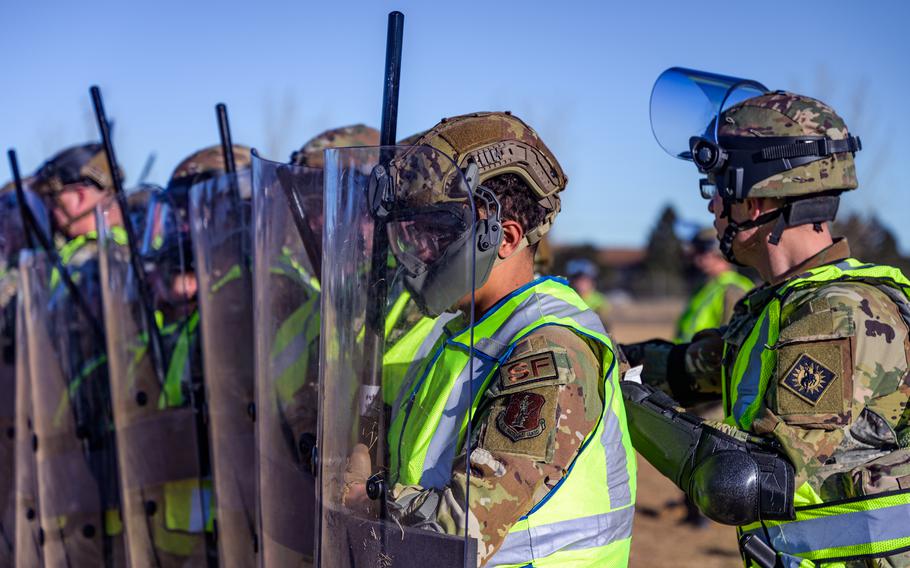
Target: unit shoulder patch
[520, 419]
[523, 423]
[808, 379]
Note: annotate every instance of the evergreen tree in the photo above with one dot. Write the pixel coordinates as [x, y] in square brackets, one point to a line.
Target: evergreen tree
[662, 272]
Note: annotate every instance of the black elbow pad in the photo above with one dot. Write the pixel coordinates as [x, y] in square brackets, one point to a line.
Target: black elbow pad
[737, 483]
[732, 481]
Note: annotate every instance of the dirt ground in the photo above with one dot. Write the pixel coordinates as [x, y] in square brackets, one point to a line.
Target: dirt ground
[658, 537]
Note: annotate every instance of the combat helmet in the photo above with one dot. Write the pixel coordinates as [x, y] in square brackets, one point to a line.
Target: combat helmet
[781, 145]
[206, 163]
[310, 155]
[754, 143]
[497, 143]
[167, 233]
[480, 146]
[702, 242]
[85, 163]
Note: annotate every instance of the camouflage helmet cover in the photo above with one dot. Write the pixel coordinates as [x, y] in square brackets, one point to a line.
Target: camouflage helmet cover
[85, 162]
[412, 139]
[209, 161]
[784, 114]
[498, 143]
[310, 154]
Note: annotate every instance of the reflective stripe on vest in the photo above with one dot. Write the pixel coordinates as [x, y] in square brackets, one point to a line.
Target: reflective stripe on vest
[178, 369]
[706, 308]
[291, 350]
[876, 525]
[408, 355]
[70, 248]
[448, 388]
[188, 505]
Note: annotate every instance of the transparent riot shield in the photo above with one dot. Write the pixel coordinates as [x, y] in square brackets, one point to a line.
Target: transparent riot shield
[287, 203]
[8, 285]
[14, 238]
[28, 539]
[395, 218]
[688, 102]
[74, 439]
[153, 341]
[222, 241]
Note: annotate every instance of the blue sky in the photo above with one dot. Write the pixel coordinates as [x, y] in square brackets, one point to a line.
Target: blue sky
[579, 72]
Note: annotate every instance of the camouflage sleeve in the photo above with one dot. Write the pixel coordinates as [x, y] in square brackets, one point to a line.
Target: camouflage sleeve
[837, 402]
[543, 403]
[732, 295]
[703, 361]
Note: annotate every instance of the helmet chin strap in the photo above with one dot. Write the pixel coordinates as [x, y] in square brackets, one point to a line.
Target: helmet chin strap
[814, 210]
[733, 228]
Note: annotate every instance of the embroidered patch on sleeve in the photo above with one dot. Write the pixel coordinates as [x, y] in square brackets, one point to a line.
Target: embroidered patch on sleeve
[808, 379]
[520, 419]
[534, 369]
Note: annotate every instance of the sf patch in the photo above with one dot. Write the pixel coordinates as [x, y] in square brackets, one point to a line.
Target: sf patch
[808, 379]
[520, 419]
[530, 371]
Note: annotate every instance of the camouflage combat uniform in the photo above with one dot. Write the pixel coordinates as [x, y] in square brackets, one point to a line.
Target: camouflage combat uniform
[535, 464]
[837, 403]
[816, 360]
[509, 477]
[75, 441]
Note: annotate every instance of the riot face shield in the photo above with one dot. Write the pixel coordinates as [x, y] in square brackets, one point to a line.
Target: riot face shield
[28, 539]
[396, 218]
[287, 203]
[220, 215]
[163, 453]
[137, 201]
[74, 441]
[687, 103]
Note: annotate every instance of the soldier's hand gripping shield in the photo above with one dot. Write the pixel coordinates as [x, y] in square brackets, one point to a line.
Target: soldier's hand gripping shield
[163, 456]
[220, 215]
[395, 217]
[28, 538]
[287, 202]
[74, 439]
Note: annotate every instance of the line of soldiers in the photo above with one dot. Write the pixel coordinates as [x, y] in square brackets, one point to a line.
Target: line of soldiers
[348, 360]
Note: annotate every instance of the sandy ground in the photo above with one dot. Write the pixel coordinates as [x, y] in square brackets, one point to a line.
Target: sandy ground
[658, 537]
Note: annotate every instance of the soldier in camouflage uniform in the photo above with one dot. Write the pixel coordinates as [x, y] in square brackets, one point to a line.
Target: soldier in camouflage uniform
[712, 304]
[548, 450]
[159, 404]
[582, 275]
[287, 318]
[71, 394]
[815, 360]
